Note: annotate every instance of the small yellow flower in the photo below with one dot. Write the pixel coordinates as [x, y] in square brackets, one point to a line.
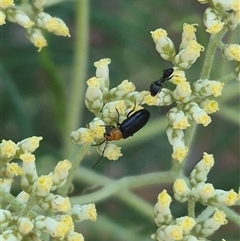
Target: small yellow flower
[126, 86]
[188, 34]
[102, 63]
[97, 126]
[180, 153]
[30, 144]
[209, 106]
[219, 217]
[232, 52]
[180, 187]
[82, 136]
[19, 17]
[84, 212]
[67, 220]
[93, 82]
[93, 99]
[62, 29]
[231, 198]
[178, 119]
[61, 204]
[164, 45]
[158, 33]
[51, 226]
[60, 173]
[43, 185]
[25, 225]
[60, 230]
[164, 199]
[202, 118]
[186, 223]
[63, 166]
[112, 152]
[216, 88]
[215, 27]
[8, 149]
[51, 24]
[27, 157]
[57, 26]
[6, 4]
[181, 123]
[187, 56]
[120, 106]
[205, 190]
[174, 231]
[208, 159]
[74, 236]
[37, 38]
[235, 5]
[92, 212]
[11, 169]
[178, 77]
[150, 100]
[110, 112]
[212, 20]
[182, 92]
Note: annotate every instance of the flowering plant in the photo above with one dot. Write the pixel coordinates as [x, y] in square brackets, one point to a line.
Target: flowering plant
[41, 208]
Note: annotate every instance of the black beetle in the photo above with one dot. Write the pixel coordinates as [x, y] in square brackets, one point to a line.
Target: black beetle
[128, 127]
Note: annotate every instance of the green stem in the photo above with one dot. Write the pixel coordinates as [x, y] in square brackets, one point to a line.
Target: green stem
[213, 42]
[212, 45]
[121, 188]
[76, 93]
[27, 209]
[227, 78]
[8, 198]
[82, 152]
[206, 213]
[189, 134]
[191, 208]
[231, 215]
[127, 183]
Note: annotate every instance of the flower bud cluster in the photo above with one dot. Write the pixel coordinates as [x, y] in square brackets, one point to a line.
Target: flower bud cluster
[189, 48]
[198, 190]
[34, 25]
[170, 228]
[221, 13]
[192, 104]
[189, 228]
[110, 106]
[24, 222]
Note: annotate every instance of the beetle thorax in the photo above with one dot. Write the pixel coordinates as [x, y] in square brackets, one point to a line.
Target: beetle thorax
[114, 135]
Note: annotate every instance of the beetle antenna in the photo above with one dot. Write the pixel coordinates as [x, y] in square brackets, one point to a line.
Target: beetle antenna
[118, 116]
[98, 144]
[101, 155]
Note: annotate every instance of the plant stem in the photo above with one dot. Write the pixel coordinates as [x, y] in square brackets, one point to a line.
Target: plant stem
[64, 190]
[27, 209]
[191, 208]
[126, 183]
[212, 45]
[76, 93]
[214, 40]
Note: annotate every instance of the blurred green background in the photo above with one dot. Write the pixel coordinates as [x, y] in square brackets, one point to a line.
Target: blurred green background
[36, 89]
